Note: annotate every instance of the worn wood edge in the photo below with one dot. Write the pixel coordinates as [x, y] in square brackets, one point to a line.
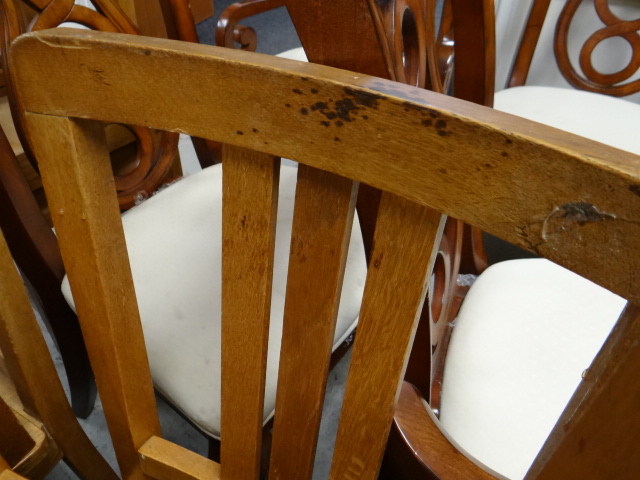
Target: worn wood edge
[62, 40]
[431, 445]
[577, 171]
[165, 460]
[9, 475]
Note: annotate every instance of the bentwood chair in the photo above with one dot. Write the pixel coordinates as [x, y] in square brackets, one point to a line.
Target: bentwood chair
[37, 424]
[543, 170]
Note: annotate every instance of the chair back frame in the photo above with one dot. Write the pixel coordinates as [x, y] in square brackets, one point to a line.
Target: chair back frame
[550, 192]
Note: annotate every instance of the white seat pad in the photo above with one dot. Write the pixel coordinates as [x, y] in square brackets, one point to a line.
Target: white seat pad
[602, 118]
[525, 334]
[174, 243]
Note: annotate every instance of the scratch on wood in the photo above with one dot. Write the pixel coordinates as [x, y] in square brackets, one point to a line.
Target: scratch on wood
[579, 213]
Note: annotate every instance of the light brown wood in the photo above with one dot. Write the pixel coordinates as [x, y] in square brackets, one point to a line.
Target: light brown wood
[249, 206]
[3, 464]
[100, 278]
[548, 208]
[9, 475]
[24, 442]
[565, 197]
[15, 442]
[167, 461]
[405, 245]
[325, 205]
[31, 369]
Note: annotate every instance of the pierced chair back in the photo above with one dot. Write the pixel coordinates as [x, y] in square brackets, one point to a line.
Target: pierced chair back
[155, 152]
[421, 173]
[596, 46]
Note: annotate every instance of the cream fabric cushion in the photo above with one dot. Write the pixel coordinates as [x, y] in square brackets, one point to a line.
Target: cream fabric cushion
[174, 243]
[526, 332]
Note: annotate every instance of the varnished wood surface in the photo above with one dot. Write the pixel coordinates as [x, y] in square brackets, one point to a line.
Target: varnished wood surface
[405, 244]
[167, 461]
[325, 206]
[576, 205]
[249, 206]
[88, 213]
[580, 72]
[429, 449]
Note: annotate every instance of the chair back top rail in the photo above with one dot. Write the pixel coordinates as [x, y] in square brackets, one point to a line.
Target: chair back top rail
[568, 193]
[567, 198]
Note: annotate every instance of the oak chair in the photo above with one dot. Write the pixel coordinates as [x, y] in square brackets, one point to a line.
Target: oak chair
[37, 425]
[544, 170]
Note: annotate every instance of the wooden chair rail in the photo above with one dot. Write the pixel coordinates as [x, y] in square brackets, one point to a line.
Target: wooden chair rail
[566, 213]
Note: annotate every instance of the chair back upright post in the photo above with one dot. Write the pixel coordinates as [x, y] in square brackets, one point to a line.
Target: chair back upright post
[420, 175]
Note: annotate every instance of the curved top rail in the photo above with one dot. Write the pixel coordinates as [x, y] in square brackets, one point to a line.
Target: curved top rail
[550, 192]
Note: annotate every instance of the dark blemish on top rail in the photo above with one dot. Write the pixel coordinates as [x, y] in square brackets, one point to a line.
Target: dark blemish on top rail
[366, 99]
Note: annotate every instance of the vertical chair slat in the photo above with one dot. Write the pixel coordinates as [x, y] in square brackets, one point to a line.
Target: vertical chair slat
[249, 206]
[323, 216]
[598, 434]
[405, 243]
[77, 176]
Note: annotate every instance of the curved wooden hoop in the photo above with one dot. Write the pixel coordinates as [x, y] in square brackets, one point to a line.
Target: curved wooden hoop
[154, 158]
[590, 79]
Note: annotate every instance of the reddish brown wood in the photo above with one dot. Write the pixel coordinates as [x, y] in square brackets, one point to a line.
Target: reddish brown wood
[587, 77]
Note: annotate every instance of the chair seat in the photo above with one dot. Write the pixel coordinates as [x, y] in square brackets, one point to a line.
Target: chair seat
[525, 334]
[602, 118]
[177, 277]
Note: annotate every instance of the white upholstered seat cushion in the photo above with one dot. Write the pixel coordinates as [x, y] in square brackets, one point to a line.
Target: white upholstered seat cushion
[174, 244]
[525, 333]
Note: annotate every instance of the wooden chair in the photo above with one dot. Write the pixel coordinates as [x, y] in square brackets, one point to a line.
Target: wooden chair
[37, 424]
[543, 169]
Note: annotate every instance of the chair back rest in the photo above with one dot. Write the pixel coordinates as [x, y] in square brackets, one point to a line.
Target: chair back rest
[566, 198]
[596, 44]
[137, 177]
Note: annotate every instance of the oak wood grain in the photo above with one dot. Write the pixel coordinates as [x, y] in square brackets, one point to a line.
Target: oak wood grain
[325, 205]
[555, 179]
[405, 243]
[88, 225]
[249, 206]
[167, 461]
